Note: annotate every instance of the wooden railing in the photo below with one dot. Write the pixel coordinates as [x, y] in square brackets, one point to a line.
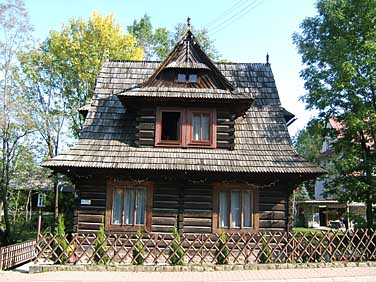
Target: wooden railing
[13, 255]
[238, 248]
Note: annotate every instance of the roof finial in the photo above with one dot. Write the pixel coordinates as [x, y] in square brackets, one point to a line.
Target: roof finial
[189, 23]
[267, 59]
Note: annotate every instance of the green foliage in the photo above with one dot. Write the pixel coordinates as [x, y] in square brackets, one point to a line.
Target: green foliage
[61, 245]
[77, 52]
[100, 247]
[338, 48]
[138, 252]
[158, 44]
[265, 255]
[222, 252]
[177, 252]
[16, 124]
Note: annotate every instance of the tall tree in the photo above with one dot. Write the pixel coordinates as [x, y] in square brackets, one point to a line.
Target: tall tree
[78, 52]
[159, 42]
[338, 48]
[308, 143]
[15, 120]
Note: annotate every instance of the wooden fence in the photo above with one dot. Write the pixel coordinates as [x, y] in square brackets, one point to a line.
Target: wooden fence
[16, 254]
[235, 248]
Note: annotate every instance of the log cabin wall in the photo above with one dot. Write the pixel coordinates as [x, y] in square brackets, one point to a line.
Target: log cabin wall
[145, 128]
[273, 208]
[185, 203]
[88, 218]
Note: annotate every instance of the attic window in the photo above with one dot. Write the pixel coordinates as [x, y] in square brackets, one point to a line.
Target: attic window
[181, 77]
[192, 78]
[187, 77]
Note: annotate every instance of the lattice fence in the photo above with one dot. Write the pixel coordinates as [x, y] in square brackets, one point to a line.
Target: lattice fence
[16, 254]
[235, 248]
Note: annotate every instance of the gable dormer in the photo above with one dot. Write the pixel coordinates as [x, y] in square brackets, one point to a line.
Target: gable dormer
[187, 66]
[186, 102]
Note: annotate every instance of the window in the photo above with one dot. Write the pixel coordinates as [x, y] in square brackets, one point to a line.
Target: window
[181, 77]
[187, 77]
[169, 127]
[128, 206]
[202, 127]
[192, 78]
[185, 127]
[234, 207]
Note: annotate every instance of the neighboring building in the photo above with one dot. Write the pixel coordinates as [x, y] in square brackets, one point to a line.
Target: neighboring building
[326, 211]
[186, 142]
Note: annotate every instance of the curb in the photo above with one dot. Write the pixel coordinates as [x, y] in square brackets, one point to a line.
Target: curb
[38, 268]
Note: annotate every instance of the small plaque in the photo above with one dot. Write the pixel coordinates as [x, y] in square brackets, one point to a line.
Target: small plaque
[85, 202]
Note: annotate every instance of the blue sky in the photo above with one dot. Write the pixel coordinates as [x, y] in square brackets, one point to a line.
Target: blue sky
[243, 31]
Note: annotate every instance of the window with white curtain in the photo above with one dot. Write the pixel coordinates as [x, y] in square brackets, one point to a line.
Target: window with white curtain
[129, 206]
[235, 209]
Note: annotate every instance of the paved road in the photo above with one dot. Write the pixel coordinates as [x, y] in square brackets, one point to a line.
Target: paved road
[355, 274]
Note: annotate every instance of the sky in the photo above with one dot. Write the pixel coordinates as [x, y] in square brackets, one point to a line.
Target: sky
[244, 31]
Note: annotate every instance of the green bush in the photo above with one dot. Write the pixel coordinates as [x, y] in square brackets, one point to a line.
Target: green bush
[222, 252]
[100, 247]
[177, 251]
[138, 253]
[60, 246]
[266, 252]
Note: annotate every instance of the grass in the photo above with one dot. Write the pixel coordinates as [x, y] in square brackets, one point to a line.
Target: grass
[305, 230]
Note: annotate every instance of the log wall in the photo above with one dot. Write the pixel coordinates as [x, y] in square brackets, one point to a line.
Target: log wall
[188, 205]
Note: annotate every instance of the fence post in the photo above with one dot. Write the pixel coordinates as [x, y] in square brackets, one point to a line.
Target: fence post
[1, 258]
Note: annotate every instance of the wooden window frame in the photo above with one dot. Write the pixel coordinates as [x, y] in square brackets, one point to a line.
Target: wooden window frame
[186, 128]
[112, 185]
[158, 127]
[212, 143]
[222, 187]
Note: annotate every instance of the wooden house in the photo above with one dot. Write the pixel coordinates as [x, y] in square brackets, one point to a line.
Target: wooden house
[186, 142]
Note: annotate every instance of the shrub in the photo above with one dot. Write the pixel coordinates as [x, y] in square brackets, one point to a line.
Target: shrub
[222, 252]
[265, 257]
[100, 247]
[177, 251]
[138, 253]
[60, 246]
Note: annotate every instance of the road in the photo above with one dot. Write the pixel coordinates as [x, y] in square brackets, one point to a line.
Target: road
[346, 274]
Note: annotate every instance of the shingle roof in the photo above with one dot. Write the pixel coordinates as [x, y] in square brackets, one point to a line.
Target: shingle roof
[174, 92]
[262, 142]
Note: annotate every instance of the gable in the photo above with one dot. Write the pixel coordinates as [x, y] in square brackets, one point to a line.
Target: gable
[188, 59]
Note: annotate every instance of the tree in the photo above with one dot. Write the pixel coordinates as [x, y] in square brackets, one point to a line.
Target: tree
[159, 43]
[77, 53]
[15, 120]
[308, 143]
[338, 48]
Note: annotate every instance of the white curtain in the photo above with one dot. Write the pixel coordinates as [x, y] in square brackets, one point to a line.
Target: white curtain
[140, 207]
[235, 209]
[196, 127]
[116, 209]
[129, 206]
[205, 124]
[247, 221]
[223, 210]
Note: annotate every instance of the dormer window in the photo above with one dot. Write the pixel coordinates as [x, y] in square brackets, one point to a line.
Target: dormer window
[187, 77]
[186, 127]
[181, 77]
[192, 78]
